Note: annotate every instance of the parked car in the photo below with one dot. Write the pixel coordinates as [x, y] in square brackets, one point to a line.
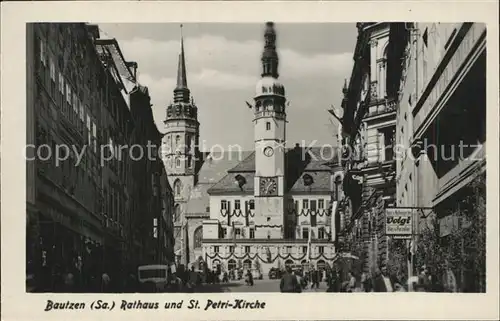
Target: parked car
[274, 273]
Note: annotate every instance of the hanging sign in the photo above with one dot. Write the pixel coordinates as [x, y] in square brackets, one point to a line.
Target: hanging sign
[399, 223]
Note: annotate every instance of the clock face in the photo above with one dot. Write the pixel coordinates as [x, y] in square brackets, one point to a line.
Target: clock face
[268, 186]
[268, 151]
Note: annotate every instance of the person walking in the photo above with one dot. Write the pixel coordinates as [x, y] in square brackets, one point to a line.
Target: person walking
[315, 278]
[249, 278]
[289, 283]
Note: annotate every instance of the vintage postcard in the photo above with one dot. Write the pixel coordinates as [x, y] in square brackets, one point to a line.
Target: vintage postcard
[239, 161]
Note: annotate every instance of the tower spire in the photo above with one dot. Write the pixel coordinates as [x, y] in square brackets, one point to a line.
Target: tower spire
[270, 56]
[181, 92]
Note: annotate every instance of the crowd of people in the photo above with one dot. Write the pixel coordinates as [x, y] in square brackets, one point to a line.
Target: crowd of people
[381, 281]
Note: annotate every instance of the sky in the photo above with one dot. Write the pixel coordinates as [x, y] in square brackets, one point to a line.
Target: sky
[223, 66]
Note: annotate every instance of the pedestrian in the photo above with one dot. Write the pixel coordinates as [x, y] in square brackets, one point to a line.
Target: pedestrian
[315, 278]
[384, 282]
[352, 282]
[289, 283]
[249, 278]
[366, 282]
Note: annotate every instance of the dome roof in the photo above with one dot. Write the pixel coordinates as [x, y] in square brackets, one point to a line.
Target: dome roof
[269, 86]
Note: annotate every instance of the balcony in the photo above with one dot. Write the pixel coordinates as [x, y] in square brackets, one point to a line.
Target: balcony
[380, 107]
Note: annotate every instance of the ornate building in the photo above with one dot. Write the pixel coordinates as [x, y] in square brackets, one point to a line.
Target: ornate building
[442, 115]
[268, 207]
[368, 133]
[78, 209]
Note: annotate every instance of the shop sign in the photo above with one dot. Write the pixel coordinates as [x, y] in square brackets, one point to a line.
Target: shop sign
[399, 223]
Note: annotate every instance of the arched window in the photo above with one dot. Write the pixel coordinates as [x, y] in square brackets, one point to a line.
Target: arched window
[231, 264]
[177, 187]
[177, 140]
[169, 143]
[198, 237]
[177, 213]
[178, 162]
[321, 265]
[247, 264]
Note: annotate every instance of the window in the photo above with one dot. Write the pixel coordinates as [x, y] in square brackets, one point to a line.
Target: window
[231, 265]
[178, 162]
[52, 70]
[75, 103]
[177, 188]
[305, 233]
[252, 205]
[305, 204]
[231, 249]
[224, 232]
[247, 249]
[321, 204]
[94, 136]
[223, 205]
[289, 250]
[177, 213]
[177, 141]
[42, 52]
[216, 249]
[237, 232]
[237, 204]
[68, 93]
[155, 228]
[247, 264]
[252, 233]
[321, 233]
[321, 249]
[198, 237]
[304, 249]
[268, 126]
[61, 83]
[313, 205]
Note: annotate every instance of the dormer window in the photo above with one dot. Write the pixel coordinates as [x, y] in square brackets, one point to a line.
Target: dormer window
[308, 180]
[240, 180]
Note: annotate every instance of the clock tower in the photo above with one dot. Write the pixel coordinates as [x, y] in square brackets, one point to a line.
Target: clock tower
[269, 130]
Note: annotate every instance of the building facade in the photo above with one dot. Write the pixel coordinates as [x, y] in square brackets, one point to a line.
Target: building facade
[443, 117]
[151, 201]
[78, 216]
[368, 140]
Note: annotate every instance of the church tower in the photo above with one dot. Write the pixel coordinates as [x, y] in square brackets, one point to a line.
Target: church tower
[180, 149]
[269, 134]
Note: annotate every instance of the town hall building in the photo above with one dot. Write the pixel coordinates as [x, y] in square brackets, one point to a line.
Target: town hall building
[259, 209]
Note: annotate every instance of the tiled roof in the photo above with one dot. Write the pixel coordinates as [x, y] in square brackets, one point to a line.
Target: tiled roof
[229, 184]
[215, 165]
[299, 161]
[320, 183]
[211, 169]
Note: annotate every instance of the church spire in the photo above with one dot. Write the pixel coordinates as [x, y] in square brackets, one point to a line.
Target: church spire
[270, 56]
[181, 92]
